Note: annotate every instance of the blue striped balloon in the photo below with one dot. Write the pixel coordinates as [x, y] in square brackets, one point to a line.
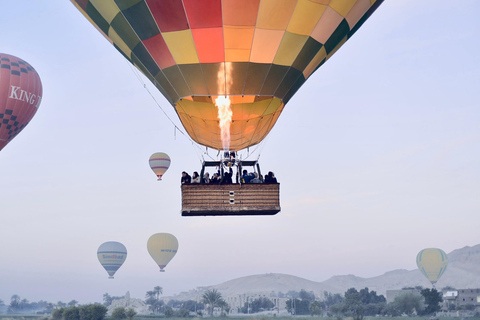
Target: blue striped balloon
[111, 255]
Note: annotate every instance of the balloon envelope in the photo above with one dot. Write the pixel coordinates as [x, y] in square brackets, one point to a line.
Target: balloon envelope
[111, 255]
[432, 262]
[20, 96]
[159, 162]
[258, 52]
[162, 247]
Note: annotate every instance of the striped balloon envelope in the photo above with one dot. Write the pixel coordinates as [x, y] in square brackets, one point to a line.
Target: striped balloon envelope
[162, 247]
[256, 53]
[20, 96]
[159, 163]
[432, 262]
[111, 255]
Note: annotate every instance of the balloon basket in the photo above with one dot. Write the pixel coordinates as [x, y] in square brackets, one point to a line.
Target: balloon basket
[111, 277]
[230, 199]
[161, 270]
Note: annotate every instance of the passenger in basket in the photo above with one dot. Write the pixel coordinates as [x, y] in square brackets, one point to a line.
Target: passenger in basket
[206, 177]
[270, 178]
[256, 179]
[214, 179]
[195, 177]
[227, 177]
[247, 177]
[186, 179]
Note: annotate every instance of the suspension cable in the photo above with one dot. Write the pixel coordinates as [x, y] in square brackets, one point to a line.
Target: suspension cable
[195, 144]
[198, 148]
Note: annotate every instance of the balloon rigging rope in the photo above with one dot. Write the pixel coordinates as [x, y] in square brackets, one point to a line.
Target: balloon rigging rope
[202, 153]
[135, 72]
[258, 147]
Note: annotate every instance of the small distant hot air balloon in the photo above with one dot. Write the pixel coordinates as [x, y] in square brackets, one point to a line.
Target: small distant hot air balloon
[432, 262]
[111, 255]
[162, 247]
[20, 96]
[159, 162]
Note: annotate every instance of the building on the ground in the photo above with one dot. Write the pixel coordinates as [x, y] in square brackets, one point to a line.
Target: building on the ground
[392, 294]
[461, 299]
[237, 302]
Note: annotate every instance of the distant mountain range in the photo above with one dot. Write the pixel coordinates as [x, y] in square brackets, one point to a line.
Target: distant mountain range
[463, 272]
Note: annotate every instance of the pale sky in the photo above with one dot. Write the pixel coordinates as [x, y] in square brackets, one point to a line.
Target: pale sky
[377, 155]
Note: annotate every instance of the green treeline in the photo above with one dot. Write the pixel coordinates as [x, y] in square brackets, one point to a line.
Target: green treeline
[357, 304]
[353, 303]
[85, 312]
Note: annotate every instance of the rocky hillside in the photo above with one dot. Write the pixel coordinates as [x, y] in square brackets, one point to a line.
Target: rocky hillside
[463, 272]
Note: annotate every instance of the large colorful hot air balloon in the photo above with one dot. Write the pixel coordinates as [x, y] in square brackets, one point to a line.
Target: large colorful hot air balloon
[162, 247]
[20, 96]
[159, 162]
[111, 255]
[246, 57]
[432, 262]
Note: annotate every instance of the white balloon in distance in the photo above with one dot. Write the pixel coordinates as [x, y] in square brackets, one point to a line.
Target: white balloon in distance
[159, 163]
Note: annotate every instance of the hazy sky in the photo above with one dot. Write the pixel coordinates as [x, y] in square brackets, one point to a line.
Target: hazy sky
[377, 155]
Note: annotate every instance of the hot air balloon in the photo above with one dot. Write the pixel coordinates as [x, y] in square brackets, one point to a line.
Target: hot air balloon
[20, 96]
[159, 162]
[228, 67]
[432, 262]
[162, 247]
[111, 255]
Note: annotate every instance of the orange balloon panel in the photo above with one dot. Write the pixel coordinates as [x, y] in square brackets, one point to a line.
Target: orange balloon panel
[20, 96]
[258, 52]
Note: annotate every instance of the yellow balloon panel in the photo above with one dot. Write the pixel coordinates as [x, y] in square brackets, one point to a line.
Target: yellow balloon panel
[289, 48]
[305, 17]
[432, 262]
[182, 46]
[108, 9]
[275, 14]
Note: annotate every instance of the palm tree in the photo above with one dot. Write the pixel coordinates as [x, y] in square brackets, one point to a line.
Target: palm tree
[72, 303]
[49, 307]
[150, 295]
[151, 300]
[15, 301]
[107, 299]
[223, 305]
[213, 298]
[23, 303]
[158, 291]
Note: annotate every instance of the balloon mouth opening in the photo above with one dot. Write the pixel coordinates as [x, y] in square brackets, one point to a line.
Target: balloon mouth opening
[248, 129]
